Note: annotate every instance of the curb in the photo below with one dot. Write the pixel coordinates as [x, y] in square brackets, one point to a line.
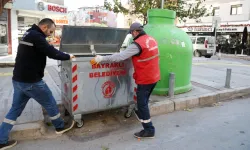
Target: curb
[233, 56]
[28, 131]
[7, 64]
[171, 105]
[39, 129]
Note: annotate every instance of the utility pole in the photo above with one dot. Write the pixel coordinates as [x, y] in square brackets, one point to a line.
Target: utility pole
[162, 4]
[216, 23]
[215, 35]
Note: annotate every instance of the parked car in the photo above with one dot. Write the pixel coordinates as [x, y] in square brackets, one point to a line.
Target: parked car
[203, 46]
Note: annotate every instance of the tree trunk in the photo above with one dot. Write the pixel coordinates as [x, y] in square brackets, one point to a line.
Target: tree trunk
[145, 20]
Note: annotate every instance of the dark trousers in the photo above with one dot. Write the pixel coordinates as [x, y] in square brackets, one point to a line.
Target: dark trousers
[143, 93]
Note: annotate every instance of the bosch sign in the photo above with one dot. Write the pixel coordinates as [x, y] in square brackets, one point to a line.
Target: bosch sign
[42, 6]
[57, 9]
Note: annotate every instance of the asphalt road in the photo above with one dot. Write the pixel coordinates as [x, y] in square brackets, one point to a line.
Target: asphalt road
[224, 127]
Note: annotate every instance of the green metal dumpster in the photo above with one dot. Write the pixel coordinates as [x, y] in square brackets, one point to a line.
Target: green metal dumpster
[175, 48]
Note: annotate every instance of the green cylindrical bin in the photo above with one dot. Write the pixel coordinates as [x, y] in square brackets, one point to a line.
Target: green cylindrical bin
[176, 51]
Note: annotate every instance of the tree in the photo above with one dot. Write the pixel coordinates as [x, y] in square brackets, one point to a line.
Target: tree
[139, 8]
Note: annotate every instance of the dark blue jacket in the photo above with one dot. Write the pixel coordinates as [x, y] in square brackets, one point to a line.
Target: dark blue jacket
[32, 52]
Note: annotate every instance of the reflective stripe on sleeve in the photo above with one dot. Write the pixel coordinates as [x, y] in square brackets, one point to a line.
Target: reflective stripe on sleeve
[153, 48]
[9, 121]
[147, 59]
[26, 43]
[55, 117]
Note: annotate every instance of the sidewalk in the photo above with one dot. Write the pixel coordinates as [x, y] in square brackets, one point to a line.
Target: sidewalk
[208, 80]
[30, 123]
[236, 56]
[7, 61]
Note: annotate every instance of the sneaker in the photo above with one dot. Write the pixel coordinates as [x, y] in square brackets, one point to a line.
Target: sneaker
[8, 145]
[144, 134]
[68, 126]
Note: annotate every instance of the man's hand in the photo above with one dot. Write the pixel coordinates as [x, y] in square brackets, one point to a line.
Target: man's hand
[72, 56]
[96, 60]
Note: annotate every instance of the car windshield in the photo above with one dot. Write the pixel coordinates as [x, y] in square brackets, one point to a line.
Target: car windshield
[211, 40]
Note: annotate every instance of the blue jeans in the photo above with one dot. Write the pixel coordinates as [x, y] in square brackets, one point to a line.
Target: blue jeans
[143, 93]
[22, 93]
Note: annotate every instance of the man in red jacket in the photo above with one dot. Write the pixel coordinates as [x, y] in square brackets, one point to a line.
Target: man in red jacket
[145, 56]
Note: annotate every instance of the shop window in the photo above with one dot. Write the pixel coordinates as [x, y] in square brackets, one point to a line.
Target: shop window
[236, 9]
[216, 11]
[193, 39]
[3, 34]
[3, 28]
[20, 19]
[200, 40]
[91, 17]
[24, 23]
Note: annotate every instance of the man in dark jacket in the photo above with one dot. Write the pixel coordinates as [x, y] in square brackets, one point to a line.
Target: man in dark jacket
[27, 80]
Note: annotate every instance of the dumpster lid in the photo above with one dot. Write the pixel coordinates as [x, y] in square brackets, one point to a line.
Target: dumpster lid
[84, 40]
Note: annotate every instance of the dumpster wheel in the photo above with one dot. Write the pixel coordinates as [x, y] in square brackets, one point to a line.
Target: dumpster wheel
[128, 114]
[129, 111]
[80, 124]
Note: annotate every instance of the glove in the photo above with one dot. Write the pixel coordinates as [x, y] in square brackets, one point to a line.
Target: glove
[96, 60]
[71, 56]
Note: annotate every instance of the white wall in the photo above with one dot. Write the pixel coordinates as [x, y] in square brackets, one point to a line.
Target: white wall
[59, 2]
[31, 4]
[225, 11]
[120, 20]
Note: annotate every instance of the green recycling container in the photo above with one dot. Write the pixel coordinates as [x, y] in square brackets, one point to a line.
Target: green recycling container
[176, 51]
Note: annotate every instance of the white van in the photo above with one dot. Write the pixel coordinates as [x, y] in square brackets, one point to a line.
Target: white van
[203, 46]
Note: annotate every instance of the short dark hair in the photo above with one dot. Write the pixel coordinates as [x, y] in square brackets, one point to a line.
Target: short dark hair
[47, 21]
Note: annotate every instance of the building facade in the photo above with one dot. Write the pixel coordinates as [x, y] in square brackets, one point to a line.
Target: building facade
[18, 16]
[5, 41]
[231, 16]
[93, 16]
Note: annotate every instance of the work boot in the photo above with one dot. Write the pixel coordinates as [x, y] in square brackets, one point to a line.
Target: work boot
[8, 145]
[68, 126]
[144, 134]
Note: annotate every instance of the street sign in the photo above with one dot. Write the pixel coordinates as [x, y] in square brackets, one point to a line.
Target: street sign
[216, 22]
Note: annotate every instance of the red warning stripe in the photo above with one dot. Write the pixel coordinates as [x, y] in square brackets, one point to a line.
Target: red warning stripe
[75, 98]
[135, 98]
[135, 89]
[75, 88]
[74, 69]
[74, 79]
[75, 107]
